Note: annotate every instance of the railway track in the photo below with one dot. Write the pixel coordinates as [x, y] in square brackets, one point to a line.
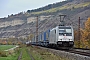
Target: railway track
[20, 56]
[27, 52]
[32, 58]
[74, 54]
[80, 52]
[85, 52]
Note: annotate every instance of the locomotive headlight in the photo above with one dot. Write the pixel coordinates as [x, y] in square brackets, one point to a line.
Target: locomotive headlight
[70, 42]
[59, 42]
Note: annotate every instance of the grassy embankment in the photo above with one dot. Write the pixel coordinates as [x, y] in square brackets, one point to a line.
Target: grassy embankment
[36, 52]
[41, 54]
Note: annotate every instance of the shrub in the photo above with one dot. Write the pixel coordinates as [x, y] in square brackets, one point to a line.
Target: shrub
[3, 54]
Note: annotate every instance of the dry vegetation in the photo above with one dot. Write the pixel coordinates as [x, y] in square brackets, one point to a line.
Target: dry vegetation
[41, 54]
[84, 36]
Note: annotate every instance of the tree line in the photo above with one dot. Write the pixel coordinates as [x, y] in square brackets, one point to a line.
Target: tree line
[49, 6]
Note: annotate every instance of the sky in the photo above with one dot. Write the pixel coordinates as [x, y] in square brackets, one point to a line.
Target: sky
[8, 7]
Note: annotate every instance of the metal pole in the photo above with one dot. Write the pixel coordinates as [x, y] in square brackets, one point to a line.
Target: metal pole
[37, 31]
[79, 33]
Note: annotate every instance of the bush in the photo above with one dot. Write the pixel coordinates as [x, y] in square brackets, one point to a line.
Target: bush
[3, 54]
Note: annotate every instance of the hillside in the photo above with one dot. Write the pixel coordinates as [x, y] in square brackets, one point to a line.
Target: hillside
[24, 23]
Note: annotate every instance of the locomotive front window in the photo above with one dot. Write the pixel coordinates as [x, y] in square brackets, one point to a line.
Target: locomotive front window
[65, 31]
[68, 32]
[62, 31]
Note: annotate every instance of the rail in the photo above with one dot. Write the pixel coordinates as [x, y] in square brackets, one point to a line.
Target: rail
[20, 56]
[32, 58]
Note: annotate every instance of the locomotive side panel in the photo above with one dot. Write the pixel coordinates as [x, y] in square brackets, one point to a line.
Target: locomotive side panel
[52, 39]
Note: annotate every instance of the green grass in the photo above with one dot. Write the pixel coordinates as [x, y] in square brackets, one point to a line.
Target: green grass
[5, 47]
[12, 54]
[25, 55]
[13, 57]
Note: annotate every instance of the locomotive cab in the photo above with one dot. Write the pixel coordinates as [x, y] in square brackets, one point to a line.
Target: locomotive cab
[62, 36]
